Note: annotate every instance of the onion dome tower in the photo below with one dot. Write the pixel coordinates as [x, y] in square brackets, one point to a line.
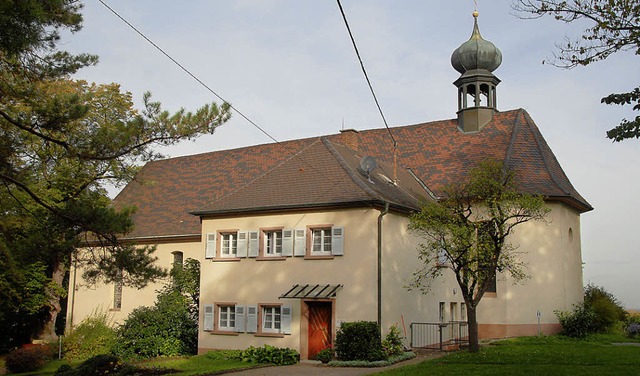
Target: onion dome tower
[476, 59]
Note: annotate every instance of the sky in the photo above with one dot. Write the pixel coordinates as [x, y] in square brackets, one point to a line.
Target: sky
[289, 66]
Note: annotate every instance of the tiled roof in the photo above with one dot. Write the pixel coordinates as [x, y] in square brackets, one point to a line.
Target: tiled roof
[322, 174]
[321, 171]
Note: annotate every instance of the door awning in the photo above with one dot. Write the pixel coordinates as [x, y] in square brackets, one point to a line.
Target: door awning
[311, 291]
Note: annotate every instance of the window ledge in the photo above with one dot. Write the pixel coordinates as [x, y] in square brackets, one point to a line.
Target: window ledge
[269, 258]
[319, 257]
[273, 335]
[226, 259]
[490, 295]
[224, 333]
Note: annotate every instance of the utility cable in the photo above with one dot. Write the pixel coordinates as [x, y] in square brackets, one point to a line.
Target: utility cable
[355, 47]
[188, 72]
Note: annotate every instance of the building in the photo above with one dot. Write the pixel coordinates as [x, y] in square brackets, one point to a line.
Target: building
[296, 237]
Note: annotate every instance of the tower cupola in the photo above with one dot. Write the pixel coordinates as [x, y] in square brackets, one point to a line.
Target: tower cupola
[476, 59]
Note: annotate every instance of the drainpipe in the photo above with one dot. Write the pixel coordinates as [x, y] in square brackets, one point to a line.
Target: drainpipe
[382, 214]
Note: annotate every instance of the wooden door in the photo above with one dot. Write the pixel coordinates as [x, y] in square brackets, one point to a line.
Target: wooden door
[319, 327]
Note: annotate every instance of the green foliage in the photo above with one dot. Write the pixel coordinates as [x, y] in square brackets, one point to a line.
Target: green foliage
[62, 141]
[393, 344]
[469, 227]
[614, 27]
[270, 354]
[98, 365]
[607, 308]
[359, 340]
[579, 322]
[326, 355]
[28, 359]
[599, 312]
[169, 328]
[95, 335]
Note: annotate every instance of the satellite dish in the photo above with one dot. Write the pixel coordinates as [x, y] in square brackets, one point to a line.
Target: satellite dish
[368, 164]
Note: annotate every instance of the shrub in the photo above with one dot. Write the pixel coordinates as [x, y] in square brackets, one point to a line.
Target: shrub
[150, 332]
[393, 344]
[606, 308]
[326, 355]
[93, 336]
[170, 327]
[359, 340]
[633, 330]
[577, 323]
[270, 354]
[28, 359]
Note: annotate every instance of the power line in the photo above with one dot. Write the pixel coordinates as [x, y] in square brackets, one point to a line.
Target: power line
[355, 47]
[189, 73]
[291, 152]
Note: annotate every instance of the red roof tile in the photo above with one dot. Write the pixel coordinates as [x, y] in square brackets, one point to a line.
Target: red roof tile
[166, 191]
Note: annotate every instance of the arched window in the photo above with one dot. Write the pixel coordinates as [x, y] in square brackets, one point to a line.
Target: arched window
[178, 258]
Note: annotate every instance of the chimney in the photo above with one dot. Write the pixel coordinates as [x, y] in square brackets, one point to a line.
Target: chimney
[350, 138]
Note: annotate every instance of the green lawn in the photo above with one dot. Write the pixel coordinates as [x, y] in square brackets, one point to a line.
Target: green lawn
[188, 366]
[536, 356]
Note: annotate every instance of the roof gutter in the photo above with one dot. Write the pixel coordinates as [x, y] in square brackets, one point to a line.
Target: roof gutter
[382, 214]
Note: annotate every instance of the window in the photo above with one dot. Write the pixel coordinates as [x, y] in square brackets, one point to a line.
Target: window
[226, 318]
[229, 244]
[117, 292]
[453, 309]
[321, 241]
[272, 245]
[178, 260]
[441, 312]
[226, 245]
[493, 284]
[271, 319]
[463, 312]
[443, 260]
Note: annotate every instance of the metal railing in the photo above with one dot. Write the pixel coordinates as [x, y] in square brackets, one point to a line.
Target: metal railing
[442, 336]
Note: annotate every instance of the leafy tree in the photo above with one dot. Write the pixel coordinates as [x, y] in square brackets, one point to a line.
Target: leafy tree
[615, 27]
[467, 231]
[62, 140]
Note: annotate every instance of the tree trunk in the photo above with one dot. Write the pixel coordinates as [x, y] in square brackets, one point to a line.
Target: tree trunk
[472, 321]
[49, 329]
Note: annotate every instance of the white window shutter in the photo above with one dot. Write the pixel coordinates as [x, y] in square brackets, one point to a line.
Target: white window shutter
[285, 324]
[287, 242]
[252, 319]
[208, 318]
[242, 244]
[210, 251]
[254, 245]
[300, 242]
[240, 319]
[337, 241]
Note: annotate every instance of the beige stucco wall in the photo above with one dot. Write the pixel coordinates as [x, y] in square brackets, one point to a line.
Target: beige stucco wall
[99, 298]
[553, 256]
[552, 252]
[251, 281]
[554, 265]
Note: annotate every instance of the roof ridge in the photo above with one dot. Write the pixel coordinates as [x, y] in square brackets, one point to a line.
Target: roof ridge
[512, 141]
[539, 140]
[345, 166]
